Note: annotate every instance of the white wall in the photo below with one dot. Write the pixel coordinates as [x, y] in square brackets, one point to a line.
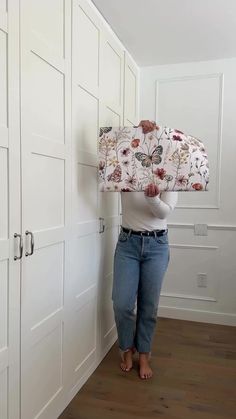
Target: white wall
[200, 99]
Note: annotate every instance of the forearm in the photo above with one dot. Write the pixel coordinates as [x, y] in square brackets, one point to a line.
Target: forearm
[161, 208]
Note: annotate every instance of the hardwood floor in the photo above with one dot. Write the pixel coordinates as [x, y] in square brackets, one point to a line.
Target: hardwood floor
[194, 367]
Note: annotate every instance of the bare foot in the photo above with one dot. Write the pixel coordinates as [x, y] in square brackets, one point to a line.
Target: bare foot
[144, 371]
[127, 360]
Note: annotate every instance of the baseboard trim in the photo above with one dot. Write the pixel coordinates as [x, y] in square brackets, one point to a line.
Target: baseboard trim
[227, 319]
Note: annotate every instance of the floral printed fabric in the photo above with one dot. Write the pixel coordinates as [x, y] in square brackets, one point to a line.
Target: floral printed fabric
[130, 160]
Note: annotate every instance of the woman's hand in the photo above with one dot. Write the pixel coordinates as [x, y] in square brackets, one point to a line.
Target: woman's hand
[147, 126]
[151, 190]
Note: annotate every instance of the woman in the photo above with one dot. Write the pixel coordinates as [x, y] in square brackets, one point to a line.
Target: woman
[140, 262]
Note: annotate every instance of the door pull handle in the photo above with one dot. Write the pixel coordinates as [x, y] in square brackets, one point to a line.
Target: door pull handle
[31, 243]
[20, 246]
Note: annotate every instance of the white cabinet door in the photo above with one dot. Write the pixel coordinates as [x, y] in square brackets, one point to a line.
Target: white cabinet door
[46, 186]
[9, 211]
[97, 98]
[111, 114]
[81, 287]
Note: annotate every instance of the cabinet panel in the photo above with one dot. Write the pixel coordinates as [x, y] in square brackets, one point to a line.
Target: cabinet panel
[4, 192]
[85, 117]
[81, 289]
[86, 34]
[9, 211]
[46, 98]
[3, 78]
[46, 190]
[131, 92]
[46, 202]
[47, 20]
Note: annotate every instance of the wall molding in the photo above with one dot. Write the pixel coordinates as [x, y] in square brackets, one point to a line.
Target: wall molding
[220, 77]
[188, 297]
[226, 227]
[217, 207]
[193, 246]
[203, 316]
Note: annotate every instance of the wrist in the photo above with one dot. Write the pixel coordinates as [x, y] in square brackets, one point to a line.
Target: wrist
[155, 198]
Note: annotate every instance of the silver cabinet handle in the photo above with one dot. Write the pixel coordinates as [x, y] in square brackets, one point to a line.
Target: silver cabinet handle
[21, 246]
[102, 225]
[31, 243]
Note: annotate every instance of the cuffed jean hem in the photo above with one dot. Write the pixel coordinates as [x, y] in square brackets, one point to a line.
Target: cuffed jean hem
[143, 349]
[122, 352]
[128, 349]
[133, 350]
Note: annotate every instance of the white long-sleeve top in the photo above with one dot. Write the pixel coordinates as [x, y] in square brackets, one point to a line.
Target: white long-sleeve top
[141, 212]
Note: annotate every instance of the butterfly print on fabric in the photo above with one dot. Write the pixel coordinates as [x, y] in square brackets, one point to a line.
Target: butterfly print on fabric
[104, 130]
[154, 158]
[115, 176]
[172, 160]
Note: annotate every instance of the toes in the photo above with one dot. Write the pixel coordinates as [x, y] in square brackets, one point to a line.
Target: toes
[146, 376]
[125, 368]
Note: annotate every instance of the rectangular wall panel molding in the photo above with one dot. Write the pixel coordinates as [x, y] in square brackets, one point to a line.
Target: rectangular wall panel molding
[202, 119]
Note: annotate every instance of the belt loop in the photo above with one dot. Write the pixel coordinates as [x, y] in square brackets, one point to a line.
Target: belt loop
[129, 233]
[155, 234]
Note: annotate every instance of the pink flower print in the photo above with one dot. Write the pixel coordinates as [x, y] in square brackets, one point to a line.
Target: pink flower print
[160, 173]
[181, 180]
[125, 152]
[177, 138]
[135, 142]
[131, 181]
[197, 186]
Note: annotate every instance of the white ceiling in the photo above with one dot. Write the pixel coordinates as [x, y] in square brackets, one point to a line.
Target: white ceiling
[172, 31]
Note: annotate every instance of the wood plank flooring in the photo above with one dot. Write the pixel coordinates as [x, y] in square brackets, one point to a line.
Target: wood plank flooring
[194, 367]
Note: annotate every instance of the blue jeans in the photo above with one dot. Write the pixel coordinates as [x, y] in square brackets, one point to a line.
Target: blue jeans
[140, 263]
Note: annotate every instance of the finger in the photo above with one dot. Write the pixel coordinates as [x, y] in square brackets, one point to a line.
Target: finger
[155, 189]
[148, 191]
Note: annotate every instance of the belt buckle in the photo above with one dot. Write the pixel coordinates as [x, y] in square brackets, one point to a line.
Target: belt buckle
[145, 233]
